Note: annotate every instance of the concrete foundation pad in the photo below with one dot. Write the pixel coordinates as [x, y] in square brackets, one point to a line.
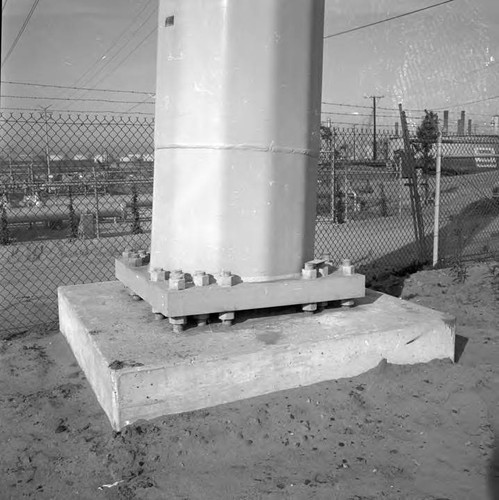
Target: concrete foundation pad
[139, 369]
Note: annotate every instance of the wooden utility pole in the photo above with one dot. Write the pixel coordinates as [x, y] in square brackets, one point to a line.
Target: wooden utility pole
[47, 151]
[375, 146]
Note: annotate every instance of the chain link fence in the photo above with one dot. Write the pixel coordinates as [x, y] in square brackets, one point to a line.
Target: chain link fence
[363, 208]
[469, 199]
[75, 191]
[365, 211]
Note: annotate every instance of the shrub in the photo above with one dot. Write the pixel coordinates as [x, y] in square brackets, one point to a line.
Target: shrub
[383, 201]
[73, 220]
[135, 229]
[4, 227]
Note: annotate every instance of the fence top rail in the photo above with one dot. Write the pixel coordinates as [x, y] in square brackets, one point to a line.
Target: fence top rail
[74, 118]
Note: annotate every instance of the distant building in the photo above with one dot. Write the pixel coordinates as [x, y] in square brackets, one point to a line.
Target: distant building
[79, 157]
[131, 157]
[471, 153]
[149, 157]
[460, 153]
[101, 158]
[56, 157]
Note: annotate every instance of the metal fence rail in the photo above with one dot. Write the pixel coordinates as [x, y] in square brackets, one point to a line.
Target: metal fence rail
[75, 191]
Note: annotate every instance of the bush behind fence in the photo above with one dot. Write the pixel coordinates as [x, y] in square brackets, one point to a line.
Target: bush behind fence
[75, 191]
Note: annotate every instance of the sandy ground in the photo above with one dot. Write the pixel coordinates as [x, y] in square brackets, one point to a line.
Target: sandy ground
[398, 432]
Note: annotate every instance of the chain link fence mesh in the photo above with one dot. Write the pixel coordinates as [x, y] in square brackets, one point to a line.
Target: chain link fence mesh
[469, 199]
[364, 209]
[75, 191]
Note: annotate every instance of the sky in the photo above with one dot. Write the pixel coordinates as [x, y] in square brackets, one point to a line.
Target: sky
[446, 57]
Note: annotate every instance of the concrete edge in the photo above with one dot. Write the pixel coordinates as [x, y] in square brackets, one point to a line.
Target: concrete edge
[316, 362]
[89, 358]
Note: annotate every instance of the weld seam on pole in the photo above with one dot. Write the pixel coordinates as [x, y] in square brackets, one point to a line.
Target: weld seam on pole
[244, 147]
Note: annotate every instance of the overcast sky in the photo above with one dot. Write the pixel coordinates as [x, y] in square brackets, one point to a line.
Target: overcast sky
[440, 58]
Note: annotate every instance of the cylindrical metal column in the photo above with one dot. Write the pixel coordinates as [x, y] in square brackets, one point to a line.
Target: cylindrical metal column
[237, 136]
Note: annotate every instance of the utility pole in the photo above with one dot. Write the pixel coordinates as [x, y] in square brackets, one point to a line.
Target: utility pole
[375, 147]
[354, 126]
[47, 152]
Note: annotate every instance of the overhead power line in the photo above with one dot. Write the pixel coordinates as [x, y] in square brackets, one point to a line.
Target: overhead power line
[364, 107]
[104, 69]
[362, 126]
[73, 99]
[134, 49]
[467, 102]
[116, 41]
[21, 31]
[356, 114]
[387, 19]
[384, 108]
[346, 105]
[144, 101]
[52, 86]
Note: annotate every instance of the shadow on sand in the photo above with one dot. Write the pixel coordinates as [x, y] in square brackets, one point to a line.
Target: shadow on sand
[493, 472]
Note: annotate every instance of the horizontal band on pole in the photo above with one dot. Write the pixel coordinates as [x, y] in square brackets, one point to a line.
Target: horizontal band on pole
[271, 148]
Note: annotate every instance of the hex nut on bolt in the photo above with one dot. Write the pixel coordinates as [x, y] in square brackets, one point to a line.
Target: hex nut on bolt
[200, 278]
[177, 280]
[309, 308]
[157, 274]
[347, 303]
[135, 260]
[226, 318]
[177, 320]
[346, 267]
[226, 279]
[324, 270]
[326, 267]
[145, 256]
[309, 271]
[202, 319]
[178, 323]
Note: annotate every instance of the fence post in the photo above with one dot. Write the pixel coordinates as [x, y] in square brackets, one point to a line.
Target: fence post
[345, 189]
[436, 228]
[333, 173]
[401, 182]
[96, 197]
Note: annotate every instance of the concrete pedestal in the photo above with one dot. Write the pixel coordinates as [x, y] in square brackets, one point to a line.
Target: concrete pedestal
[139, 369]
